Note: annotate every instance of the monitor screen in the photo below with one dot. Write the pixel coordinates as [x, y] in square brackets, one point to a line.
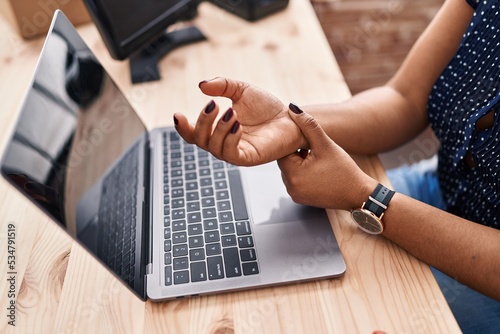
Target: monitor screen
[128, 26]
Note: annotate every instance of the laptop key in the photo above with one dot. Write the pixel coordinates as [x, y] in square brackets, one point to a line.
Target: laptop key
[180, 250]
[250, 268]
[177, 203]
[248, 254]
[210, 224]
[198, 272]
[168, 258]
[228, 240]
[167, 245]
[174, 136]
[245, 242]
[168, 275]
[231, 262]
[195, 242]
[178, 214]
[179, 237]
[181, 263]
[222, 195]
[205, 182]
[209, 213]
[223, 206]
[197, 254]
[193, 206]
[207, 192]
[203, 163]
[192, 196]
[225, 216]
[213, 249]
[195, 229]
[177, 183]
[212, 236]
[178, 225]
[243, 228]
[181, 277]
[227, 228]
[194, 217]
[215, 267]
[207, 202]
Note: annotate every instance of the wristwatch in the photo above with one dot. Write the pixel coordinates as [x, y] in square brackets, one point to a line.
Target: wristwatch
[369, 216]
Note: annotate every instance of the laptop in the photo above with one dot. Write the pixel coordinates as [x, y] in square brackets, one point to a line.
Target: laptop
[165, 217]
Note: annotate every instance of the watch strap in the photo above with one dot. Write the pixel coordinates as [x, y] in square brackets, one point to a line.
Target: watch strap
[379, 199]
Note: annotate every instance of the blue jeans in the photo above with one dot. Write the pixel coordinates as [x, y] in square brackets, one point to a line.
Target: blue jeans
[475, 312]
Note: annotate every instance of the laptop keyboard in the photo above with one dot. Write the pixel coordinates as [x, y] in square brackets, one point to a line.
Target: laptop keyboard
[207, 233]
[117, 217]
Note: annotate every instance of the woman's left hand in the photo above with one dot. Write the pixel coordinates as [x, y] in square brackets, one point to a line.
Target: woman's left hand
[325, 176]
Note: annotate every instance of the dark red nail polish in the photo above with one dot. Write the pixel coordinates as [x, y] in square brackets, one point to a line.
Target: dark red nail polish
[176, 121]
[210, 107]
[235, 127]
[201, 82]
[295, 109]
[227, 116]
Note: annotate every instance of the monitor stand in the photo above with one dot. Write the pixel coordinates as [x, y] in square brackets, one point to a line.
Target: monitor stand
[144, 65]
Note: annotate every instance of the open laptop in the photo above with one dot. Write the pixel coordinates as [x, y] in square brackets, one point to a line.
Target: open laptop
[165, 217]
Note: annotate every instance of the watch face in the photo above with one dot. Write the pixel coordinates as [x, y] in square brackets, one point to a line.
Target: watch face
[367, 221]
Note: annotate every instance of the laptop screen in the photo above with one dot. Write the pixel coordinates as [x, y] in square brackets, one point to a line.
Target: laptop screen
[74, 128]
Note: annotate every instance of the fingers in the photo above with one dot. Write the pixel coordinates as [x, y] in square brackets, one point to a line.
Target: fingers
[311, 129]
[185, 130]
[204, 124]
[199, 134]
[225, 137]
[222, 141]
[229, 88]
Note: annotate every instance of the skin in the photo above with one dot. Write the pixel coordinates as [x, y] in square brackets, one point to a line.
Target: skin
[263, 129]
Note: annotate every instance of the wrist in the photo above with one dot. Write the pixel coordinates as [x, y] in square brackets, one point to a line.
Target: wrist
[361, 193]
[368, 217]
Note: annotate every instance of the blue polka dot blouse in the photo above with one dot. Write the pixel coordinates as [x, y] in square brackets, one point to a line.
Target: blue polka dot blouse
[468, 91]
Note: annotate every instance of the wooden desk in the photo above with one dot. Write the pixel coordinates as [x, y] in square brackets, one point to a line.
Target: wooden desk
[61, 289]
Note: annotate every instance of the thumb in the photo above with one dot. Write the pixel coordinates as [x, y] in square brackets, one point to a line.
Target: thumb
[220, 86]
[311, 129]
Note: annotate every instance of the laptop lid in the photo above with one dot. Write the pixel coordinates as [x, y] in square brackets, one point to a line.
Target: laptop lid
[74, 127]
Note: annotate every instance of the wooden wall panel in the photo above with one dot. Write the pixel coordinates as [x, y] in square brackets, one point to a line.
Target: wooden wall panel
[370, 38]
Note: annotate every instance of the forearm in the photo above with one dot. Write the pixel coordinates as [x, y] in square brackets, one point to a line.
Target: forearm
[386, 117]
[370, 122]
[446, 242]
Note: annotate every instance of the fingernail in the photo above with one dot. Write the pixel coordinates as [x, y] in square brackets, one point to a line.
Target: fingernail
[228, 115]
[210, 107]
[204, 81]
[235, 127]
[176, 121]
[295, 109]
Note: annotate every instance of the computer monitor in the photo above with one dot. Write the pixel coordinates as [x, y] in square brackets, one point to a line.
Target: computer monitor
[137, 29]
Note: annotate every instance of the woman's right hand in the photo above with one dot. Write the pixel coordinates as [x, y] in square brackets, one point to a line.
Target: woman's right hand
[257, 128]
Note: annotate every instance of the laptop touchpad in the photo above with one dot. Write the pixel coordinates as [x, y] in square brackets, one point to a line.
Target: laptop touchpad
[268, 199]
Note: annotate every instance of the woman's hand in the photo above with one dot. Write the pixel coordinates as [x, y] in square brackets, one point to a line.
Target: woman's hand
[256, 130]
[325, 176]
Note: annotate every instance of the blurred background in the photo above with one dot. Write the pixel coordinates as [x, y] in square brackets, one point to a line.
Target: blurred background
[370, 38]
